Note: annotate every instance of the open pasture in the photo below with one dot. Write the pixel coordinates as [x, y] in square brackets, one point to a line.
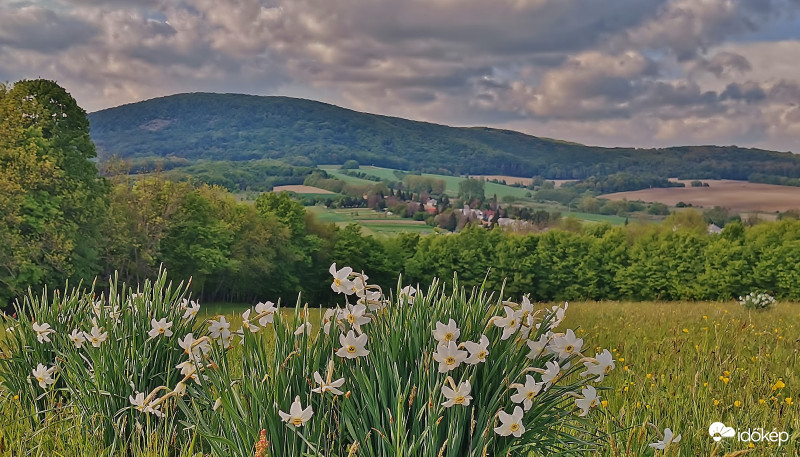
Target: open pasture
[734, 195]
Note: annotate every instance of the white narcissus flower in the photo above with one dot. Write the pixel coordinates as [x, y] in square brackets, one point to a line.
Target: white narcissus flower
[526, 392]
[44, 375]
[372, 298]
[407, 294]
[191, 349]
[78, 338]
[160, 327]
[510, 424]
[526, 317]
[341, 283]
[191, 308]
[567, 345]
[189, 370]
[551, 372]
[603, 367]
[354, 315]
[449, 356]
[304, 328]
[590, 400]
[459, 396]
[537, 347]
[297, 416]
[558, 316]
[327, 319]
[352, 346]
[510, 324]
[332, 386]
[219, 328]
[246, 324]
[42, 331]
[267, 312]
[669, 438]
[359, 284]
[477, 351]
[137, 401]
[446, 333]
[96, 336]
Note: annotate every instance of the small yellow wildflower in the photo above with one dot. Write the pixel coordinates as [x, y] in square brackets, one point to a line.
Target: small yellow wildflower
[788, 401]
[737, 404]
[686, 330]
[716, 402]
[779, 384]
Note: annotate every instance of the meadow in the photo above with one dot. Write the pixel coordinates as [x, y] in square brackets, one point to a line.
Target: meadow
[679, 365]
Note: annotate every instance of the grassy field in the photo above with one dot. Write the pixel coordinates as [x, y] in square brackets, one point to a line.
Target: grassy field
[682, 365]
[451, 182]
[373, 223]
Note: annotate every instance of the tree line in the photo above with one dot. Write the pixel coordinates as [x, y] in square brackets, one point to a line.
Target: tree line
[60, 220]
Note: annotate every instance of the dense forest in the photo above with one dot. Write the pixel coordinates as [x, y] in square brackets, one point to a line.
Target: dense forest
[60, 220]
[180, 129]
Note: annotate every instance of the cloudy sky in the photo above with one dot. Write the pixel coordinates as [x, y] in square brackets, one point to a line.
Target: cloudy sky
[605, 72]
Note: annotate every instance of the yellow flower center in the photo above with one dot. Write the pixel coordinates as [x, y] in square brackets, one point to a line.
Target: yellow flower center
[162, 329]
[449, 361]
[351, 318]
[39, 379]
[607, 369]
[593, 403]
[351, 349]
[514, 427]
[512, 323]
[482, 355]
[531, 394]
[337, 281]
[95, 339]
[297, 422]
[569, 349]
[459, 400]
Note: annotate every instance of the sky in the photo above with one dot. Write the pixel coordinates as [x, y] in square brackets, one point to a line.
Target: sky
[603, 72]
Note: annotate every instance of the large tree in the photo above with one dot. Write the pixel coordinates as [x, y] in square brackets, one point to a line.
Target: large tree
[51, 197]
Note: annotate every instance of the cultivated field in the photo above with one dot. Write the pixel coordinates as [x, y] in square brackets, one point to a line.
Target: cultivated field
[734, 195]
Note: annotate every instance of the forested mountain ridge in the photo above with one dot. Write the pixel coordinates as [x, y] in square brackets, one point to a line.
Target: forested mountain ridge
[304, 132]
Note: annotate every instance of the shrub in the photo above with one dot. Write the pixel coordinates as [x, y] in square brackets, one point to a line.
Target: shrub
[104, 355]
[757, 300]
[424, 374]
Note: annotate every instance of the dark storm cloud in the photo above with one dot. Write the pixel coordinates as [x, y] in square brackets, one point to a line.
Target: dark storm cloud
[42, 30]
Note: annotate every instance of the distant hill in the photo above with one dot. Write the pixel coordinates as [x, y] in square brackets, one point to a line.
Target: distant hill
[203, 126]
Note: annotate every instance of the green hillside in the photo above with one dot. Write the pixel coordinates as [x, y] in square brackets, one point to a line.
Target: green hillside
[203, 126]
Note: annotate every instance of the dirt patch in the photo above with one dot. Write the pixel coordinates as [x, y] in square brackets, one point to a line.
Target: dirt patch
[155, 125]
[299, 189]
[734, 195]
